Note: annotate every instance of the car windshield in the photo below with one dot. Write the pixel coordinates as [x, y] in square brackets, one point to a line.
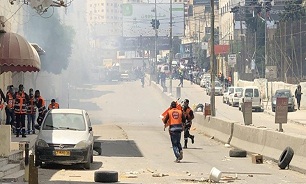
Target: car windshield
[59, 121]
[283, 94]
[218, 84]
[239, 90]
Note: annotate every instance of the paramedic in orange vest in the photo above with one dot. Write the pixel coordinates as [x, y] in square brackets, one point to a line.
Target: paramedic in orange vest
[188, 113]
[20, 108]
[31, 112]
[41, 106]
[53, 105]
[176, 119]
[9, 109]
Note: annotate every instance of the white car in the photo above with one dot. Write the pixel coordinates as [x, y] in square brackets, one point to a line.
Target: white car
[205, 81]
[233, 99]
[251, 94]
[65, 137]
[226, 95]
[218, 89]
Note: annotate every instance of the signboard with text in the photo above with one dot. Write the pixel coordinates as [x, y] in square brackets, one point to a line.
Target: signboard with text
[232, 60]
[247, 112]
[281, 110]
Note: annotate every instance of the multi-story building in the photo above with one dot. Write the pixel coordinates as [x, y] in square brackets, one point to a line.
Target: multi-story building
[104, 18]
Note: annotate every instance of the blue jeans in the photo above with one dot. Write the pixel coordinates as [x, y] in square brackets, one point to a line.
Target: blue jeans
[31, 121]
[176, 143]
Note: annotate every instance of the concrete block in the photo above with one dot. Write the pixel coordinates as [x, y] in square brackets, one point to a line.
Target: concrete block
[5, 143]
[257, 159]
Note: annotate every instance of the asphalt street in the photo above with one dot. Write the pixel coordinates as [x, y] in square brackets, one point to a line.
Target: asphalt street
[127, 123]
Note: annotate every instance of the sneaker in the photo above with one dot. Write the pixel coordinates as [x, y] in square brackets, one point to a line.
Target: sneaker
[181, 155]
[177, 161]
[23, 135]
[192, 139]
[185, 147]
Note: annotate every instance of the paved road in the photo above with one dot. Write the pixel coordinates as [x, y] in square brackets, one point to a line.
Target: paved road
[127, 122]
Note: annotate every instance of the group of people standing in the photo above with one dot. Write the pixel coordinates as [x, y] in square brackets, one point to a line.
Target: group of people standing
[179, 118]
[20, 105]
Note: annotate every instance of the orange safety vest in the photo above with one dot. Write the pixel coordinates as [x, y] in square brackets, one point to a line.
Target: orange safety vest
[55, 106]
[187, 114]
[20, 104]
[175, 116]
[42, 109]
[11, 101]
[31, 108]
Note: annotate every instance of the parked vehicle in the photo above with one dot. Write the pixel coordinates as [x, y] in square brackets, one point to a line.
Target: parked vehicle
[218, 89]
[65, 137]
[226, 94]
[205, 80]
[251, 94]
[284, 93]
[233, 98]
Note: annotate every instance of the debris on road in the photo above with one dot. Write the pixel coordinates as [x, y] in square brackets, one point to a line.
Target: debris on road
[159, 175]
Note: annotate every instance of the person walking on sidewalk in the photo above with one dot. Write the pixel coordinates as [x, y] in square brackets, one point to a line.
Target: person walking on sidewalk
[298, 95]
[181, 77]
[176, 119]
[20, 108]
[188, 113]
[31, 112]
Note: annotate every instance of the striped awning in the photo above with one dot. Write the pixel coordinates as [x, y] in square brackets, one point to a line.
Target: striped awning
[17, 54]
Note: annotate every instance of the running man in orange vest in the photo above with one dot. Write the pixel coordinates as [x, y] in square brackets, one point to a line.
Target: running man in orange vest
[188, 113]
[176, 119]
[53, 105]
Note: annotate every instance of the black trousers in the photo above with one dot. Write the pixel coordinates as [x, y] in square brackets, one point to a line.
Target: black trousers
[186, 132]
[20, 123]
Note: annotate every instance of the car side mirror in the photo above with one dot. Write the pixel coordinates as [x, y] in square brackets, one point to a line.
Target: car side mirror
[90, 129]
[37, 126]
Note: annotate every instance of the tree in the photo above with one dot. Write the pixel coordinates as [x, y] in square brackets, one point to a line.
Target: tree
[293, 11]
[55, 38]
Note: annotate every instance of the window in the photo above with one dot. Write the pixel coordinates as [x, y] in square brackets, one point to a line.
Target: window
[249, 93]
[256, 93]
[57, 121]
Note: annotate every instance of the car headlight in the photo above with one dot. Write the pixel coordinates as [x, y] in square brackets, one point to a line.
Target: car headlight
[41, 143]
[81, 145]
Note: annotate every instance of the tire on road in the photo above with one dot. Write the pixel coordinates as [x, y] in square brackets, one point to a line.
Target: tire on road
[106, 176]
[237, 153]
[285, 158]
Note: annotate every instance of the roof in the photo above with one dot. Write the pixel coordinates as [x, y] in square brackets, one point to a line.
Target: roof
[69, 111]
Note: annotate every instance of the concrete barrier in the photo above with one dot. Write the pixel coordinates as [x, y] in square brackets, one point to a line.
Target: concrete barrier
[266, 142]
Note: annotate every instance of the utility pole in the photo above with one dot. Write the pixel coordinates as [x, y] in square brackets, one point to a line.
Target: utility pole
[171, 50]
[266, 61]
[242, 43]
[212, 58]
[155, 44]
